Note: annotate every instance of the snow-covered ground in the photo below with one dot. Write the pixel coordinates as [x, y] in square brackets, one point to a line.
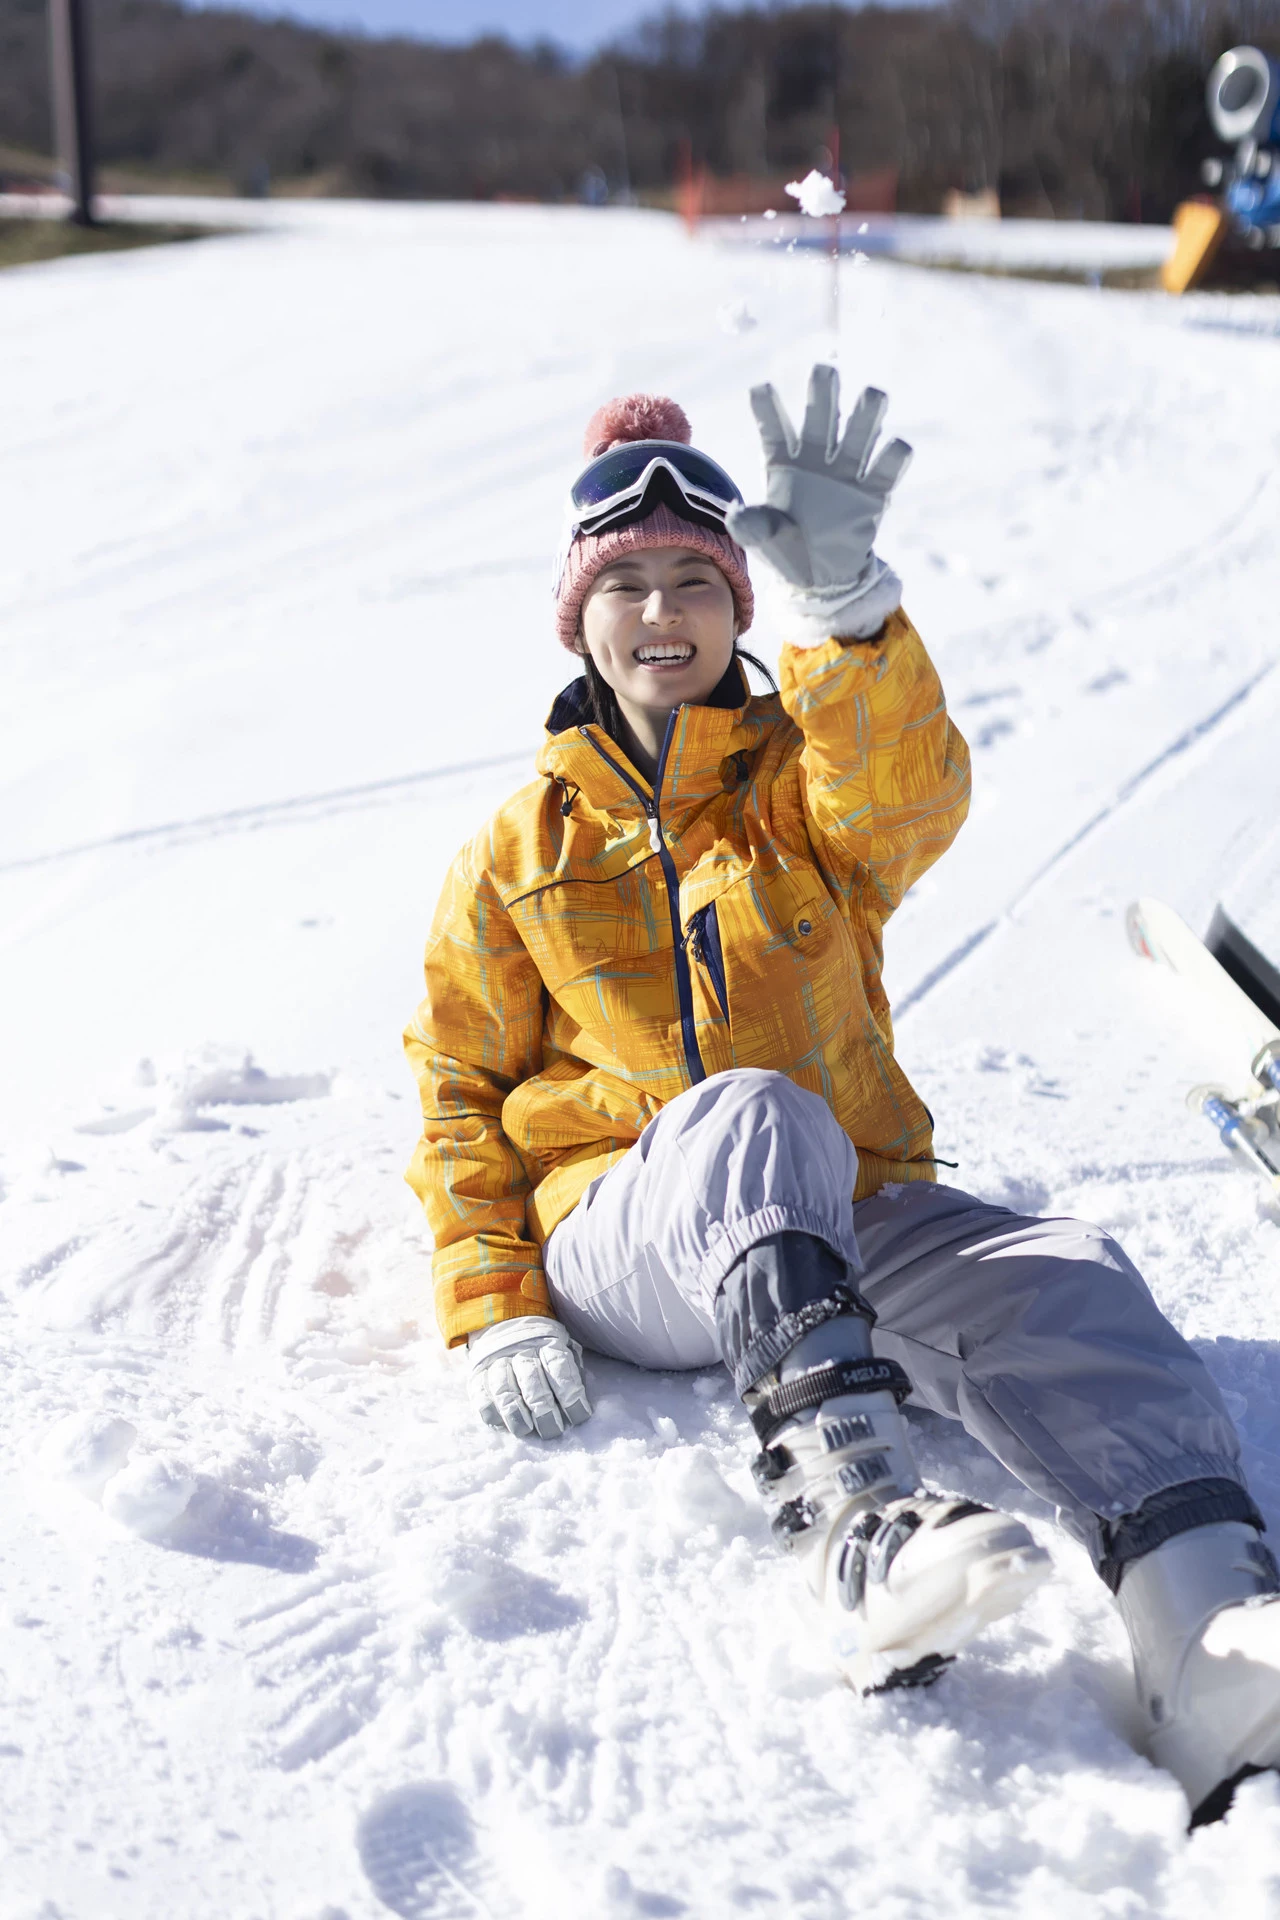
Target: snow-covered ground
[287, 1636]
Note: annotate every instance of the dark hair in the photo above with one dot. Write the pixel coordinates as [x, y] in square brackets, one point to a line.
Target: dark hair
[604, 701]
[766, 673]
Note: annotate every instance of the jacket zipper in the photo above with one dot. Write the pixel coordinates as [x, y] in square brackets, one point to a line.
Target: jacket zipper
[704, 945]
[684, 985]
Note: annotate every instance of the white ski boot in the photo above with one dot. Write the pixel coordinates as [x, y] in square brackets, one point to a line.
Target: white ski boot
[1203, 1613]
[905, 1578]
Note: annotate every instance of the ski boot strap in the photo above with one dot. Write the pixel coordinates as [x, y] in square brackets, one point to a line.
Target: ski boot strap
[781, 1402]
[771, 1347]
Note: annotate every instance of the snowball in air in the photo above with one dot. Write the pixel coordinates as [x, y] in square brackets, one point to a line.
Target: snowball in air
[817, 195]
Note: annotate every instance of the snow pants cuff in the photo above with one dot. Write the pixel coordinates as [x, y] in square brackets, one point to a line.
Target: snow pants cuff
[1197, 1503]
[776, 1293]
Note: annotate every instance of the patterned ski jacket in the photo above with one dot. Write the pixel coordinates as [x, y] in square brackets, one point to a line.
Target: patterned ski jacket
[601, 945]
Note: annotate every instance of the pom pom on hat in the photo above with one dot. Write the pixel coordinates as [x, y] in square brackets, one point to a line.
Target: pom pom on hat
[636, 416]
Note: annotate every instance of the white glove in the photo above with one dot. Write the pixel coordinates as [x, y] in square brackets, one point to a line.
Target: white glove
[526, 1377]
[825, 503]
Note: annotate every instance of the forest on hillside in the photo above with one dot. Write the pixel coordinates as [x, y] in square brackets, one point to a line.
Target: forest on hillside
[1088, 108]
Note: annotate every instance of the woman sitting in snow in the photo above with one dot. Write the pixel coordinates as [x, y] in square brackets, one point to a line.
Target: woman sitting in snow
[663, 1117]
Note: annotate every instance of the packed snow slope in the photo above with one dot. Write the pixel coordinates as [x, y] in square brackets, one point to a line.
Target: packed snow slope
[288, 1636]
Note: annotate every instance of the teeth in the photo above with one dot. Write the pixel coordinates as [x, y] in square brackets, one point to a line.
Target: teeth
[679, 652]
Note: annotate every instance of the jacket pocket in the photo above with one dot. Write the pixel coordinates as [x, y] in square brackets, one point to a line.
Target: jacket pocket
[703, 940]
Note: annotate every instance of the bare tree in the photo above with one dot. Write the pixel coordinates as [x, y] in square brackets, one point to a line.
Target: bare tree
[1093, 107]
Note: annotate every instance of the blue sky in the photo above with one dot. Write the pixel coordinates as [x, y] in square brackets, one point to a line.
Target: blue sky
[579, 24]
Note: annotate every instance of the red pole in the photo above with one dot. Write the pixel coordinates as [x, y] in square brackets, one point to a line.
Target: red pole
[691, 185]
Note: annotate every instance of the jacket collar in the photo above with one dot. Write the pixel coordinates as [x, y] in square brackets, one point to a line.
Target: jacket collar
[572, 707]
[703, 760]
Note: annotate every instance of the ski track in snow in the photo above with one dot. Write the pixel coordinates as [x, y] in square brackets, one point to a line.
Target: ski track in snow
[240, 819]
[288, 1636]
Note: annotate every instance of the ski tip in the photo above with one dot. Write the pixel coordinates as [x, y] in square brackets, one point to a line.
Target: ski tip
[1135, 927]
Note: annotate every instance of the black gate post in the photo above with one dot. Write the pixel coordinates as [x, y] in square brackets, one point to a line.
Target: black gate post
[72, 119]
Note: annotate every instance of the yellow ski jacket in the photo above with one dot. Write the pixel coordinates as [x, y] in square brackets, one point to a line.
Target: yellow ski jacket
[603, 944]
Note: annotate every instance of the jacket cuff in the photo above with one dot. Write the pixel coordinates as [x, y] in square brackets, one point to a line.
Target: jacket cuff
[509, 1297]
[484, 1342]
[811, 616]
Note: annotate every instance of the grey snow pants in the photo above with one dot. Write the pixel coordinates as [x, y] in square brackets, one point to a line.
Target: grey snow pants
[1040, 1336]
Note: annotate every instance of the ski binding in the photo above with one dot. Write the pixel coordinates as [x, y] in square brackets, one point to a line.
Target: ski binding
[1235, 986]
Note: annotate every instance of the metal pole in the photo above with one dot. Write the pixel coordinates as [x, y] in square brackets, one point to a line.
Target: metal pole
[624, 194]
[73, 130]
[833, 139]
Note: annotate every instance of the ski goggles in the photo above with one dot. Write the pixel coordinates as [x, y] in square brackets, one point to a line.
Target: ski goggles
[625, 484]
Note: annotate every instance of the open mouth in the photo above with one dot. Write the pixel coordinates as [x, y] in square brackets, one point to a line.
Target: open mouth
[670, 653]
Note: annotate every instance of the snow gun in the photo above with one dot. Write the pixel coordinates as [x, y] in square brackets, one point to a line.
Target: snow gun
[1243, 98]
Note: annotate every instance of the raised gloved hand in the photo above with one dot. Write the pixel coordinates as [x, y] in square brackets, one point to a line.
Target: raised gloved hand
[826, 499]
[526, 1376]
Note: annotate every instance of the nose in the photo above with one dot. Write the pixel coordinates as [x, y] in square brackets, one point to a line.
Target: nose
[659, 611]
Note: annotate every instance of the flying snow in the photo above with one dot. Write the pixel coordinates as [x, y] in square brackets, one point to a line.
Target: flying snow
[818, 196]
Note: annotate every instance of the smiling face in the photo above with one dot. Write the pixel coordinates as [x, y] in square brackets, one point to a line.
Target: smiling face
[659, 626]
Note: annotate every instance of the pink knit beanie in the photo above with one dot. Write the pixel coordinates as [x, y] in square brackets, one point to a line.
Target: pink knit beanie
[643, 416]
